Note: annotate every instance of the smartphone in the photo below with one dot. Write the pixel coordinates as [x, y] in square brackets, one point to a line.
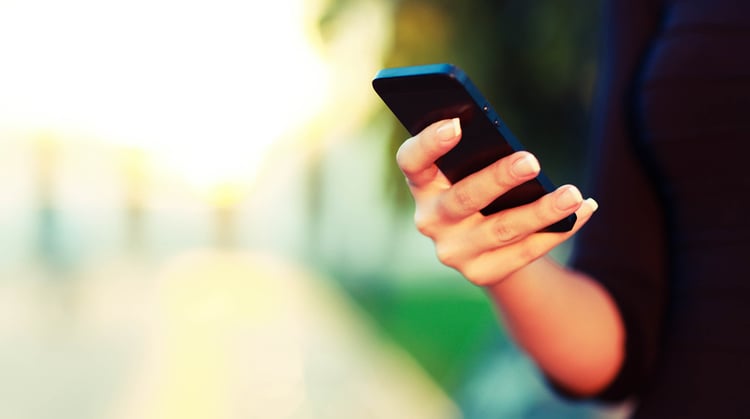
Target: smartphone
[421, 95]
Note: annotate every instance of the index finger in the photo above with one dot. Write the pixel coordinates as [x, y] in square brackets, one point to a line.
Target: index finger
[416, 156]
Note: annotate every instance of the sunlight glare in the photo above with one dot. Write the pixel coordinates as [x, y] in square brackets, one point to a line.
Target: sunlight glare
[204, 87]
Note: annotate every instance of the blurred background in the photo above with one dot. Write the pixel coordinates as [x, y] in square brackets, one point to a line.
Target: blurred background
[201, 216]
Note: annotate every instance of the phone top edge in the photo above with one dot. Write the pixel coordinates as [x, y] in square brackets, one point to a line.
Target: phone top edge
[420, 70]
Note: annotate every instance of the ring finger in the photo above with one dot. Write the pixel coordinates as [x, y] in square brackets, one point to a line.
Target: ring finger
[512, 225]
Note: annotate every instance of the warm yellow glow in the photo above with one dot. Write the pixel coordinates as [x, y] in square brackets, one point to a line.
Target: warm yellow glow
[250, 335]
[204, 87]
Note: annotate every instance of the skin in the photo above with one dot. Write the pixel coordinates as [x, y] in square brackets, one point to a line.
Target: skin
[562, 318]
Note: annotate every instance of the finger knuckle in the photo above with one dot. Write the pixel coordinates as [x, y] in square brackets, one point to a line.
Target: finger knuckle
[503, 176]
[528, 252]
[447, 255]
[503, 232]
[465, 201]
[424, 224]
[546, 212]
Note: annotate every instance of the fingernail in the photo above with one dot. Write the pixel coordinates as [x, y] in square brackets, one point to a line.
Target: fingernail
[594, 205]
[568, 198]
[525, 166]
[449, 130]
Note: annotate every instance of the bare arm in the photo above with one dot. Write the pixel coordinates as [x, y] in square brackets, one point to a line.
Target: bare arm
[563, 319]
[566, 322]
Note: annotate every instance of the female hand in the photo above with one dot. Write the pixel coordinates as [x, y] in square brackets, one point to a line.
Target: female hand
[485, 249]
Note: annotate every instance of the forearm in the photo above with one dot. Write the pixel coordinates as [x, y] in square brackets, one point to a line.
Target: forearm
[565, 321]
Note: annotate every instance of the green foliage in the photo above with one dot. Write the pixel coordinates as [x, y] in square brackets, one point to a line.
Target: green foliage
[445, 332]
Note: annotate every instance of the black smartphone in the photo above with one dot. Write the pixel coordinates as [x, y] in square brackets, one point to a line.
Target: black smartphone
[421, 95]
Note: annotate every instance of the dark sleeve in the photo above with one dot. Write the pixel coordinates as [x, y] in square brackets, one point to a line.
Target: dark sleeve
[623, 245]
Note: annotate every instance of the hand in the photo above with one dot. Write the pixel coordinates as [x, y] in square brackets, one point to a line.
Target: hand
[485, 249]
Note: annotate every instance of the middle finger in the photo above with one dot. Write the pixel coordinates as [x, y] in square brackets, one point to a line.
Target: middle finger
[479, 189]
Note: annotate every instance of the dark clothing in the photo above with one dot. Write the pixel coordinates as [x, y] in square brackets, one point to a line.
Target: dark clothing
[671, 239]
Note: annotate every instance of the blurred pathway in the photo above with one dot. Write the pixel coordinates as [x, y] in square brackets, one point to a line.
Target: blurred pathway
[210, 335]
